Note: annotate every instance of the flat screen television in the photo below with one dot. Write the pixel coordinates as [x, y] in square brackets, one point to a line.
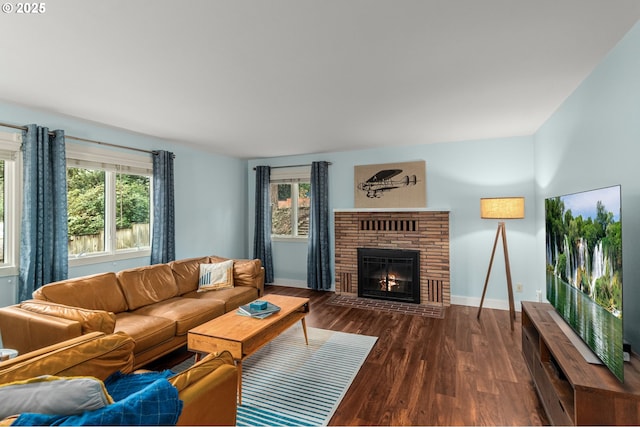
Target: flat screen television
[584, 269]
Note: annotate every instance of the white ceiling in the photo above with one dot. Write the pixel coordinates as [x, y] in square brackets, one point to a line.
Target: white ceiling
[263, 78]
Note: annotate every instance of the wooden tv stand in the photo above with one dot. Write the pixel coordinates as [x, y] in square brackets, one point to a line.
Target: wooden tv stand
[572, 391]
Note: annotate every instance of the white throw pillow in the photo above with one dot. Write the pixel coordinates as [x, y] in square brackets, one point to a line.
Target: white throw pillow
[53, 395]
[216, 276]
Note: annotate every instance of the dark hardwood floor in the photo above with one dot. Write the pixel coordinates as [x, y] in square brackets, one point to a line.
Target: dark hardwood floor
[426, 371]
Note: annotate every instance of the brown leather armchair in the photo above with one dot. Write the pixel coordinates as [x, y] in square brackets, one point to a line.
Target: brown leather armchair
[208, 389]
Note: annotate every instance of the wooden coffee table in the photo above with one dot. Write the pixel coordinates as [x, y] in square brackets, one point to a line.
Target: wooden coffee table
[242, 336]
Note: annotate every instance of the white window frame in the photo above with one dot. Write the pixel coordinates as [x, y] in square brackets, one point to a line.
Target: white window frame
[10, 143]
[291, 175]
[112, 162]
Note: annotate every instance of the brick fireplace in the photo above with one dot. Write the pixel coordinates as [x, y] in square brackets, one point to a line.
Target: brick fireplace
[424, 230]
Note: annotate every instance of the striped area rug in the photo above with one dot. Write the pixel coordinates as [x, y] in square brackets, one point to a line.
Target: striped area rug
[287, 383]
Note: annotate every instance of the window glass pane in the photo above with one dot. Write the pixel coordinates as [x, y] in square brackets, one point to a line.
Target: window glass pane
[304, 194]
[2, 211]
[132, 211]
[281, 223]
[86, 203]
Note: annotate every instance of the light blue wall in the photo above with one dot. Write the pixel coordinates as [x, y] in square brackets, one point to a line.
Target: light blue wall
[210, 191]
[458, 175]
[593, 141]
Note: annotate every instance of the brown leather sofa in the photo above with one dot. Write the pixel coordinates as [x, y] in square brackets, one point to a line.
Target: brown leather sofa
[156, 305]
[208, 389]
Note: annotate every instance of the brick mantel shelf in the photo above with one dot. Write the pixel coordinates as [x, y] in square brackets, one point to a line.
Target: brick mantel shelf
[423, 229]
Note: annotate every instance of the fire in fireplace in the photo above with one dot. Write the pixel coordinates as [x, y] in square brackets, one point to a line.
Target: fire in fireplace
[389, 274]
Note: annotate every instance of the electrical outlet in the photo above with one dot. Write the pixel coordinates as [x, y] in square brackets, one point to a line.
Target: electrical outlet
[518, 287]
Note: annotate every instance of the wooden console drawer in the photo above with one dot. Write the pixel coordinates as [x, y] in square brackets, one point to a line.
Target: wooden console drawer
[548, 395]
[529, 350]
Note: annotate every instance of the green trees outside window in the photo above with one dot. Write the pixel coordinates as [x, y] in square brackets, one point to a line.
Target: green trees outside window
[100, 201]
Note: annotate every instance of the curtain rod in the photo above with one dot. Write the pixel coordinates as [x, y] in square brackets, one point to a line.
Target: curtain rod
[7, 125]
[290, 166]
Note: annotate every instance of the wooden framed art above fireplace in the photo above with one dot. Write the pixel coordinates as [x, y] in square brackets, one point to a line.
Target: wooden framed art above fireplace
[423, 229]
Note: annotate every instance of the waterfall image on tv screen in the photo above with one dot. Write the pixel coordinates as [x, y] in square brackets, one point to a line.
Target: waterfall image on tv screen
[584, 269]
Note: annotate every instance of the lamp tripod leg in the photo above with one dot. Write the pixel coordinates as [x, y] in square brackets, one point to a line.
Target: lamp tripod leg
[486, 281]
[512, 310]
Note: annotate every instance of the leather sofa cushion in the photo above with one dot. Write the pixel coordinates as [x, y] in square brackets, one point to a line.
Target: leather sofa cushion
[231, 298]
[81, 292]
[186, 272]
[187, 313]
[94, 354]
[147, 285]
[245, 271]
[147, 331]
[90, 320]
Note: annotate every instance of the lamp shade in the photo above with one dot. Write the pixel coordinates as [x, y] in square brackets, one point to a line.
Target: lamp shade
[502, 208]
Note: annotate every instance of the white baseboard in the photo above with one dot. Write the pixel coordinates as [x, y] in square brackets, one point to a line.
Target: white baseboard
[488, 303]
[295, 283]
[290, 283]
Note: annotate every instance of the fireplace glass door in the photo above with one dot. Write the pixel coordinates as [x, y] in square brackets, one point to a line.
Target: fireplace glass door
[389, 274]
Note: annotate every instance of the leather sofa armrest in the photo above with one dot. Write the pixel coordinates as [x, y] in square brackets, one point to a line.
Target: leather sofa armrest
[260, 282]
[90, 320]
[209, 391]
[23, 357]
[26, 331]
[9, 420]
[95, 354]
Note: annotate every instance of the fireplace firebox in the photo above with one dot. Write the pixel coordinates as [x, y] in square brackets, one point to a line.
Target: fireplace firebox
[389, 274]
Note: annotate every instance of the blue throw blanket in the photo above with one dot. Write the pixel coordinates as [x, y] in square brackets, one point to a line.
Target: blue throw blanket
[139, 399]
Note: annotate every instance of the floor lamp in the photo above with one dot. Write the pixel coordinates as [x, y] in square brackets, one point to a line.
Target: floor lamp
[501, 208]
